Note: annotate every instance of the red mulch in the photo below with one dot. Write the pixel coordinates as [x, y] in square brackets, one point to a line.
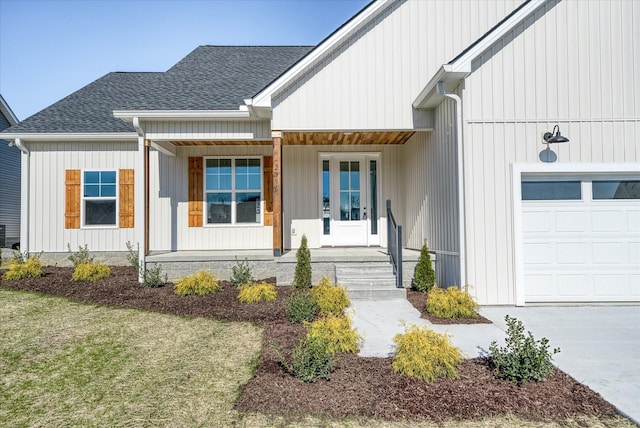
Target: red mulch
[419, 299]
[359, 387]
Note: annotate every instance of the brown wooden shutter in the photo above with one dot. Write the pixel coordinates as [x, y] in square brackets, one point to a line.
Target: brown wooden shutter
[267, 175]
[195, 192]
[126, 197]
[72, 199]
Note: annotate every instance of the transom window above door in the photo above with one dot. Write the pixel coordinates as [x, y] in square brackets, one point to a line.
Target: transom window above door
[233, 190]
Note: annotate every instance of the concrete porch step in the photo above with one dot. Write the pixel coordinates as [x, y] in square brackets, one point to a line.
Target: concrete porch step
[369, 281]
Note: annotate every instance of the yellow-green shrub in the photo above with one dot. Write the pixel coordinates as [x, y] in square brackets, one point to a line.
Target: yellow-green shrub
[200, 283]
[22, 268]
[258, 292]
[90, 271]
[330, 298]
[451, 303]
[425, 354]
[336, 330]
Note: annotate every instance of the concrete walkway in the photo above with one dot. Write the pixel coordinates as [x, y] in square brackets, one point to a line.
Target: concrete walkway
[600, 345]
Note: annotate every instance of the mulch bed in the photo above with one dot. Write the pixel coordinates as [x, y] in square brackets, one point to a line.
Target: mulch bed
[418, 300]
[359, 387]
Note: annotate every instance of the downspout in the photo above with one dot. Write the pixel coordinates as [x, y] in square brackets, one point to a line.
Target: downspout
[139, 200]
[24, 194]
[460, 159]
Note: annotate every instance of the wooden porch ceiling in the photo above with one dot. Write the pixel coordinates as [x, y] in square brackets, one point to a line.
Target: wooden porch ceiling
[337, 138]
[223, 143]
[345, 138]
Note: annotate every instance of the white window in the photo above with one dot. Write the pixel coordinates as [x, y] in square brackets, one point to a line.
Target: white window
[233, 190]
[99, 198]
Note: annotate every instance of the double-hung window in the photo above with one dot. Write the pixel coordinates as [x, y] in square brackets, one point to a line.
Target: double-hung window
[233, 190]
[99, 198]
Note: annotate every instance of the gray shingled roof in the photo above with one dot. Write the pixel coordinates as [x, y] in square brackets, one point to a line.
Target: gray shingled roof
[209, 78]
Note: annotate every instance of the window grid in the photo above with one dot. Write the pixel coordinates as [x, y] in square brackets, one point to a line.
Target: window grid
[233, 191]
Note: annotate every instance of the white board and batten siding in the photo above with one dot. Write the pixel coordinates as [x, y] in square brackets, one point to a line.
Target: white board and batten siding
[371, 80]
[209, 130]
[49, 160]
[169, 207]
[431, 186]
[572, 64]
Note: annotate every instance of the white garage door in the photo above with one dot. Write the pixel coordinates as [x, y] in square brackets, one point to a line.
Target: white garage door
[581, 239]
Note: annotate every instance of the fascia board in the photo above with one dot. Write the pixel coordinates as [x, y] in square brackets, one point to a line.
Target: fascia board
[464, 61]
[128, 115]
[263, 98]
[7, 112]
[71, 136]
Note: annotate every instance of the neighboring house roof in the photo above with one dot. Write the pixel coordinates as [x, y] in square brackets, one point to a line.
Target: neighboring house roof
[209, 78]
[6, 111]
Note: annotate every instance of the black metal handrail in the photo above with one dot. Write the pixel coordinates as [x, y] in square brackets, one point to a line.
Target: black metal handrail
[394, 244]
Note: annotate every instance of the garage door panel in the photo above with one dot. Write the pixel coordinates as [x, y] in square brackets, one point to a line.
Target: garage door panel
[572, 253]
[536, 221]
[610, 285]
[634, 285]
[634, 254]
[538, 253]
[608, 221]
[633, 221]
[609, 253]
[540, 285]
[570, 221]
[574, 285]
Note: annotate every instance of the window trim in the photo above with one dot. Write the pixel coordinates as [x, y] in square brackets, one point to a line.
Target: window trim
[234, 223]
[116, 198]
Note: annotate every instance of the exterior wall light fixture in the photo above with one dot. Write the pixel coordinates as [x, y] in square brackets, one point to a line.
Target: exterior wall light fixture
[552, 137]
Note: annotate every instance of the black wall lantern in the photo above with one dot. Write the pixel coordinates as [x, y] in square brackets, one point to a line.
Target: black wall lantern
[552, 137]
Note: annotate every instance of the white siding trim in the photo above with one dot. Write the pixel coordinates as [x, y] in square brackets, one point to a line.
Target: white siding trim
[518, 170]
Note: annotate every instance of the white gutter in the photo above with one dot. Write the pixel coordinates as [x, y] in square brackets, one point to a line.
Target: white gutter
[139, 201]
[70, 136]
[460, 159]
[24, 194]
[130, 115]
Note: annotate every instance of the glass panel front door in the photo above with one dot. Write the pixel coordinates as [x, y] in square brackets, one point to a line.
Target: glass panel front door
[349, 187]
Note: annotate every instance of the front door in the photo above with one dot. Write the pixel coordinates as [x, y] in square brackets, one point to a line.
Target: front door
[350, 200]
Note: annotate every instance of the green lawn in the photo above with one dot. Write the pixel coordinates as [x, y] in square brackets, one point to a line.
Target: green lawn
[70, 364]
[65, 364]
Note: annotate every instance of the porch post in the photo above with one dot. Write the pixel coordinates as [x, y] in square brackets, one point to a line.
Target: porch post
[140, 202]
[147, 148]
[277, 192]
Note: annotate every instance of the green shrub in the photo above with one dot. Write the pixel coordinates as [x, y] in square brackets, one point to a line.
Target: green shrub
[311, 360]
[301, 307]
[337, 331]
[451, 303]
[259, 292]
[133, 257]
[241, 273]
[152, 277]
[330, 298]
[200, 283]
[425, 354]
[424, 277]
[24, 266]
[523, 359]
[80, 257]
[302, 273]
[90, 272]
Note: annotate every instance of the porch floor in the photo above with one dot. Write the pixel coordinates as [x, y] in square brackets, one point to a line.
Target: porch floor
[326, 254]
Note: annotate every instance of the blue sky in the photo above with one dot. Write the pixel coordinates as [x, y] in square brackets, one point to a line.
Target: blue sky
[51, 48]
